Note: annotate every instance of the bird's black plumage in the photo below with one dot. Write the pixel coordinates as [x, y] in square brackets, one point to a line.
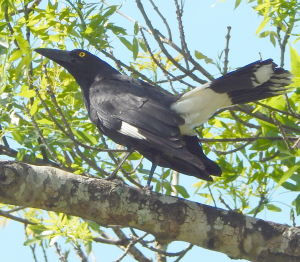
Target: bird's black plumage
[138, 116]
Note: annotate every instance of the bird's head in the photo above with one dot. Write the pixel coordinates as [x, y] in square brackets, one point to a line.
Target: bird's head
[82, 65]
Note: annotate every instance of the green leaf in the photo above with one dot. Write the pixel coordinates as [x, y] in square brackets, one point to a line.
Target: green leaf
[135, 48]
[259, 7]
[262, 25]
[136, 28]
[88, 247]
[23, 44]
[126, 43]
[37, 239]
[273, 37]
[254, 210]
[297, 203]
[54, 38]
[34, 107]
[264, 34]
[237, 3]
[134, 156]
[15, 55]
[295, 62]
[32, 241]
[142, 44]
[37, 229]
[21, 153]
[88, 137]
[45, 121]
[290, 186]
[94, 226]
[273, 208]
[111, 10]
[287, 175]
[33, 22]
[182, 191]
[4, 43]
[200, 56]
[27, 93]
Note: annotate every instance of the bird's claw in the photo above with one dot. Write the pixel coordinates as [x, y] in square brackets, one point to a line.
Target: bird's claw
[111, 176]
[147, 188]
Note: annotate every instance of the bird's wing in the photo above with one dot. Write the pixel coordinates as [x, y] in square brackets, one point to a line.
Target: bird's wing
[128, 109]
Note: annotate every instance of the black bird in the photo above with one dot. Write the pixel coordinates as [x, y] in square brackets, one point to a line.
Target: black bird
[138, 116]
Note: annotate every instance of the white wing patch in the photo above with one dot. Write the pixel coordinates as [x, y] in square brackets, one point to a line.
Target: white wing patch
[129, 130]
[263, 74]
[197, 106]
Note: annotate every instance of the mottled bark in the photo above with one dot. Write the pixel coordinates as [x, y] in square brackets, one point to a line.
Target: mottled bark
[167, 218]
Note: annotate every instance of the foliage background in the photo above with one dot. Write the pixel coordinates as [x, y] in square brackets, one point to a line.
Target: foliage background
[247, 185]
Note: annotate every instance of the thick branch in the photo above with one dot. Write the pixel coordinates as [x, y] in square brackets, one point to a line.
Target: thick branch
[168, 218]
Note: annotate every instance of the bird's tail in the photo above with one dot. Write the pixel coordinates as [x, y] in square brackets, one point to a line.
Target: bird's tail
[256, 81]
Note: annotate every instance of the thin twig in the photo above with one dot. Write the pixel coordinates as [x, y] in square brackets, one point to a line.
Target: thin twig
[29, 9]
[119, 68]
[183, 252]
[58, 251]
[280, 111]
[248, 110]
[116, 161]
[176, 78]
[32, 247]
[132, 243]
[296, 144]
[224, 203]
[161, 46]
[282, 43]
[80, 253]
[245, 123]
[58, 109]
[144, 244]
[121, 242]
[61, 165]
[163, 19]
[168, 78]
[4, 138]
[15, 209]
[225, 70]
[233, 150]
[44, 252]
[127, 17]
[136, 167]
[159, 64]
[22, 220]
[281, 131]
[9, 25]
[133, 251]
[244, 139]
[293, 113]
[170, 43]
[186, 53]
[211, 194]
[26, 159]
[261, 202]
[133, 71]
[293, 217]
[30, 79]
[261, 159]
[71, 135]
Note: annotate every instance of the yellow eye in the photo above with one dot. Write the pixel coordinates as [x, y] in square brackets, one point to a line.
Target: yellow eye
[82, 54]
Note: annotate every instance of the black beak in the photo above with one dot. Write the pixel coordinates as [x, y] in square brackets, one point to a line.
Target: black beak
[59, 56]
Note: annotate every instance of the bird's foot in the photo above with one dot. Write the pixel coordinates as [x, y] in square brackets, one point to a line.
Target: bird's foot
[147, 188]
[112, 176]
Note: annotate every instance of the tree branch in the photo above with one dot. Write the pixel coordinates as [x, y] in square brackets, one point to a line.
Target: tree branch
[167, 218]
